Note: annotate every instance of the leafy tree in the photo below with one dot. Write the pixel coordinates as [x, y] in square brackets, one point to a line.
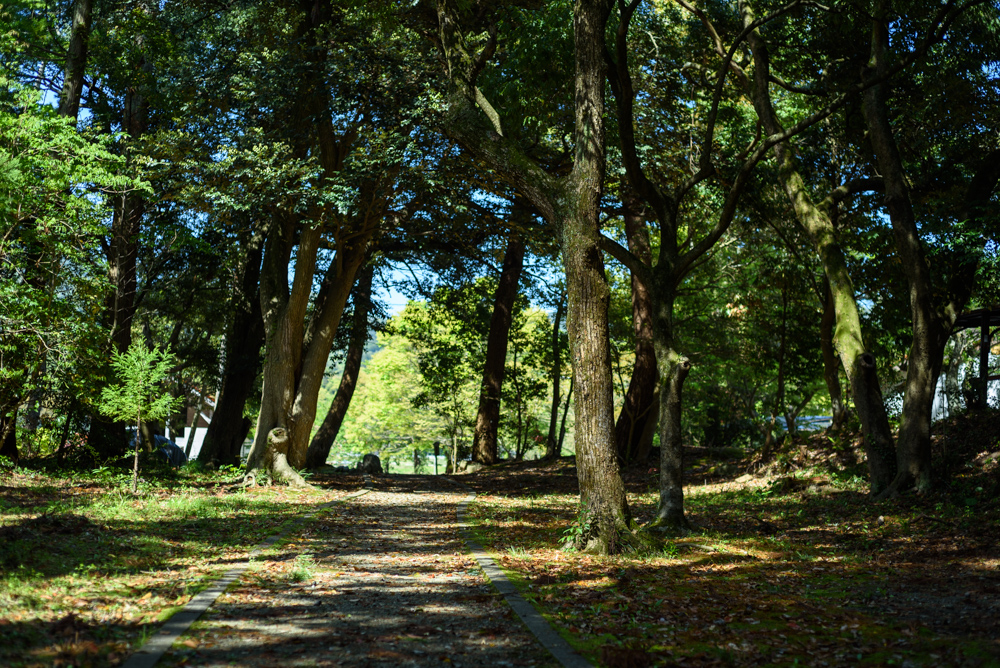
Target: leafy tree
[51, 180]
[139, 395]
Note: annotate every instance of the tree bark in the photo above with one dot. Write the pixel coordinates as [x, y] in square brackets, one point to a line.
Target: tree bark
[296, 357]
[484, 448]
[76, 59]
[930, 331]
[858, 363]
[244, 340]
[319, 448]
[670, 514]
[831, 370]
[572, 203]
[638, 407]
[602, 492]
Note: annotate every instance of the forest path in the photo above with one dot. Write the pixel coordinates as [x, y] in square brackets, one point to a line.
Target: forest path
[383, 579]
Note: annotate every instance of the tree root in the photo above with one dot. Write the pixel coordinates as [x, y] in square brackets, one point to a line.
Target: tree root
[275, 463]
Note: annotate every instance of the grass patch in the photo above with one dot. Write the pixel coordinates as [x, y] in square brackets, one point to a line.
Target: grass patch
[87, 569]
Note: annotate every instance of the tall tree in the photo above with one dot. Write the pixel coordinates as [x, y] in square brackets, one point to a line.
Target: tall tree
[322, 441]
[935, 301]
[572, 204]
[484, 446]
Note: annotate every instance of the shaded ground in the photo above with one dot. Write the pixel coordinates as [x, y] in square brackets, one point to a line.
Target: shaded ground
[801, 568]
[381, 580]
[795, 565]
[88, 570]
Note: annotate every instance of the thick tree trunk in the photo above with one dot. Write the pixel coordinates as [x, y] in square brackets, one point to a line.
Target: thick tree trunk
[76, 59]
[554, 441]
[847, 338]
[244, 340]
[638, 407]
[319, 448]
[670, 514]
[484, 448]
[602, 492]
[572, 203]
[296, 356]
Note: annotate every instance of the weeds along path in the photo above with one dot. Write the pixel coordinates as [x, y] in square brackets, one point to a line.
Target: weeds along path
[383, 579]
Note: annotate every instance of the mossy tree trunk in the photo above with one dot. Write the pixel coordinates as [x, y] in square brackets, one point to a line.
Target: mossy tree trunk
[572, 204]
[859, 364]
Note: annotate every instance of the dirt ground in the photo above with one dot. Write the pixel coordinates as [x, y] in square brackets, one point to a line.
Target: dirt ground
[383, 579]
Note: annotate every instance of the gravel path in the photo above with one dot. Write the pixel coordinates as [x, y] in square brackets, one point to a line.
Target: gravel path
[383, 579]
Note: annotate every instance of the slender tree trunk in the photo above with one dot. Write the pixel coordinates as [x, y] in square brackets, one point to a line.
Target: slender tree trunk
[831, 368]
[76, 59]
[930, 329]
[244, 340]
[319, 448]
[673, 368]
[638, 407]
[554, 441]
[858, 363]
[484, 448]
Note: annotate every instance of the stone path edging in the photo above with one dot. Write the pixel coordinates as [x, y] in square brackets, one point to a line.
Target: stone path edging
[158, 644]
[547, 636]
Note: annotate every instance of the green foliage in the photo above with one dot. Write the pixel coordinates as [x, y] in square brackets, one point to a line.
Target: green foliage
[139, 395]
[53, 184]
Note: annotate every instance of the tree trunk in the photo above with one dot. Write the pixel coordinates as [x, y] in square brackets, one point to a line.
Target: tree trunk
[8, 438]
[602, 492]
[673, 369]
[76, 59]
[554, 440]
[296, 356]
[484, 448]
[319, 448]
[572, 203]
[562, 423]
[831, 370]
[930, 329]
[244, 340]
[638, 407]
[847, 338]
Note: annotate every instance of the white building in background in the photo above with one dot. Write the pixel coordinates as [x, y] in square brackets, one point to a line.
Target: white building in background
[206, 404]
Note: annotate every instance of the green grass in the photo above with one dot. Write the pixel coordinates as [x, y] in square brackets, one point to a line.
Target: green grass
[81, 555]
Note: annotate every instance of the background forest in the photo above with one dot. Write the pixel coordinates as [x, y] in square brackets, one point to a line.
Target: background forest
[619, 226]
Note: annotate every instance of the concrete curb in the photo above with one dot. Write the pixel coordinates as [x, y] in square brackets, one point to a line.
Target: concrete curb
[537, 624]
[158, 644]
